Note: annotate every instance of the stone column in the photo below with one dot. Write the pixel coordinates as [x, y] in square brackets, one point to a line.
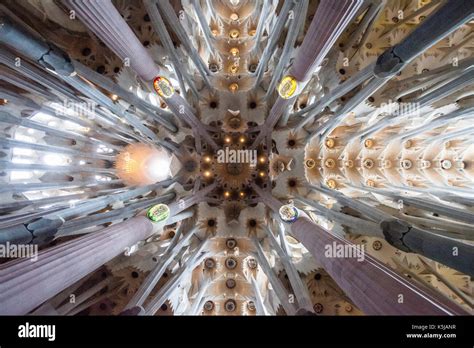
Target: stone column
[373, 287]
[330, 19]
[106, 22]
[25, 284]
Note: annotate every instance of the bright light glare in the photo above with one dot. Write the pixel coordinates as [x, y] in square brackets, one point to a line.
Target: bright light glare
[25, 138]
[20, 175]
[54, 159]
[20, 151]
[21, 160]
[140, 164]
[158, 167]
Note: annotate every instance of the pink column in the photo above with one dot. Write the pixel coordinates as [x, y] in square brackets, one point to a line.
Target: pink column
[330, 20]
[105, 21]
[25, 284]
[373, 287]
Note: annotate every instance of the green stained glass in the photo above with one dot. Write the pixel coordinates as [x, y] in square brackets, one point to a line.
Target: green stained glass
[159, 212]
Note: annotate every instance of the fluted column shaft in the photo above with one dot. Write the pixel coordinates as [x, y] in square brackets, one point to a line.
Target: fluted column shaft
[105, 21]
[373, 287]
[330, 20]
[24, 284]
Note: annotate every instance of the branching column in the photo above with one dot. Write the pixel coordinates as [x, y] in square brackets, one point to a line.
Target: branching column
[330, 20]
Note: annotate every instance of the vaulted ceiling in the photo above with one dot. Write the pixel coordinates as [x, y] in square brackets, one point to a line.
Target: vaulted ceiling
[236, 157]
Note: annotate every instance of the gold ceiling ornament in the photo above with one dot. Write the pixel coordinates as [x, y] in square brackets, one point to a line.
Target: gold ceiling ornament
[234, 33]
[368, 163]
[331, 183]
[330, 143]
[330, 163]
[349, 163]
[369, 143]
[234, 68]
[234, 87]
[310, 163]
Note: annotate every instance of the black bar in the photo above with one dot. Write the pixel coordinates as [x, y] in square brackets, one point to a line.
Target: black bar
[291, 331]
